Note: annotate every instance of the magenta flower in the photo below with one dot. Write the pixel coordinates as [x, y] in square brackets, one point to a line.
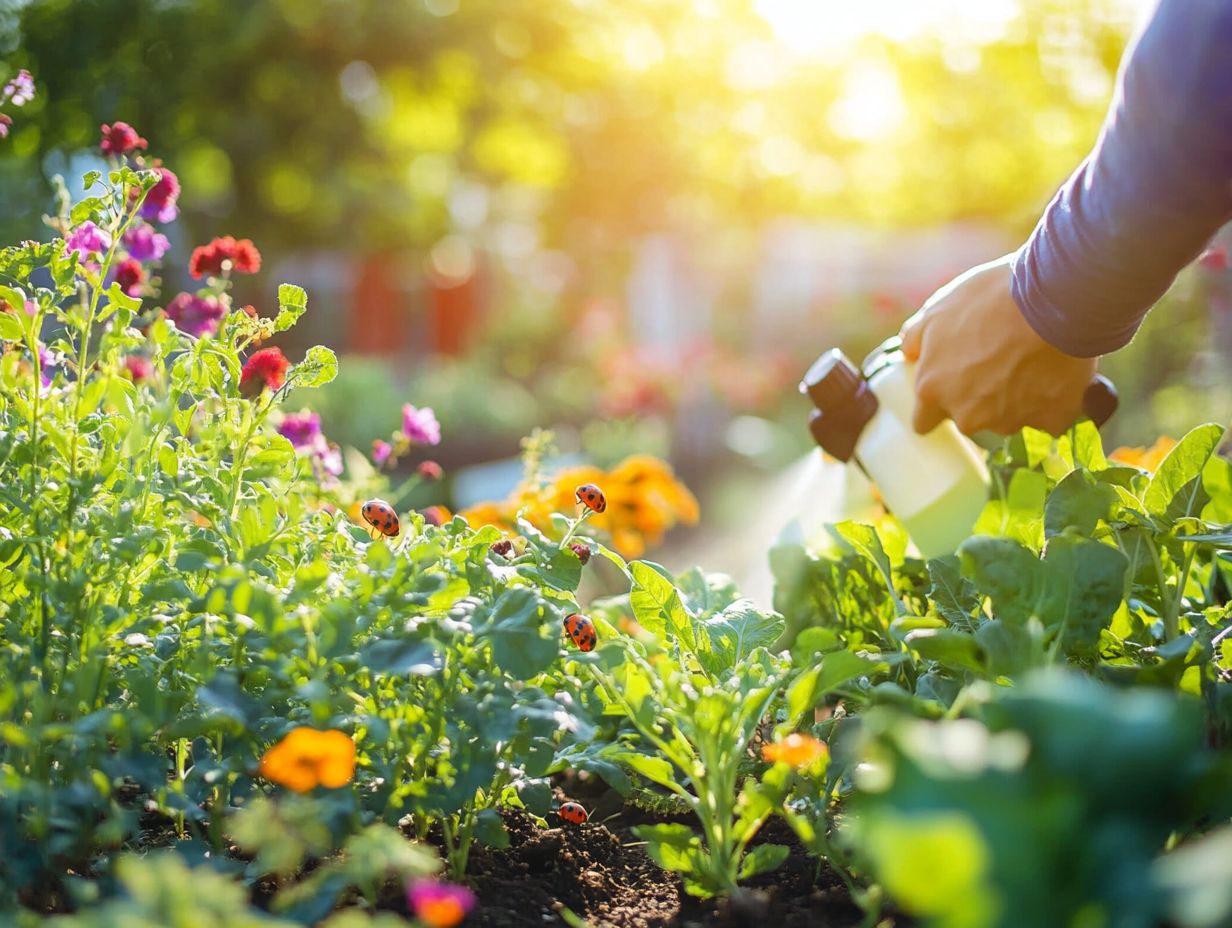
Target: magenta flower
[381, 450]
[301, 429]
[120, 138]
[437, 904]
[144, 244]
[5, 122]
[420, 425]
[47, 361]
[196, 315]
[87, 239]
[328, 458]
[139, 368]
[159, 203]
[20, 89]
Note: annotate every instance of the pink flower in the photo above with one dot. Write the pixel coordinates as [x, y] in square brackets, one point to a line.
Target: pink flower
[47, 361]
[159, 203]
[139, 368]
[20, 89]
[327, 458]
[437, 904]
[130, 275]
[430, 470]
[420, 425]
[196, 315]
[265, 370]
[301, 429]
[87, 239]
[5, 122]
[1214, 258]
[144, 244]
[381, 450]
[120, 138]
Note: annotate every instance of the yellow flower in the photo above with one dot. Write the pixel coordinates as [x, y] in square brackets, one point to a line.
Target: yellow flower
[307, 758]
[796, 749]
[1145, 458]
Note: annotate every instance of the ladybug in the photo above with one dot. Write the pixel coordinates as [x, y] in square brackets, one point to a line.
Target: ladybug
[573, 812]
[591, 497]
[381, 516]
[581, 631]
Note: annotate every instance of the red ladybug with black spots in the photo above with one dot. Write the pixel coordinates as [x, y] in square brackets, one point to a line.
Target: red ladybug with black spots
[573, 813]
[381, 516]
[581, 631]
[591, 497]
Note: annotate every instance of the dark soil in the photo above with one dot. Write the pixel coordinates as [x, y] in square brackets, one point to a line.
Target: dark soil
[606, 879]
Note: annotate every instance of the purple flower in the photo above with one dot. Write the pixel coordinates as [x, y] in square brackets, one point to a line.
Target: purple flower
[420, 425]
[87, 239]
[47, 361]
[20, 89]
[439, 905]
[196, 315]
[381, 450]
[328, 457]
[300, 428]
[5, 122]
[159, 202]
[144, 244]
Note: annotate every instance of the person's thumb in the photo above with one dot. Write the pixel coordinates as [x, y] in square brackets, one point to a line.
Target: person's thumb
[927, 416]
[912, 335]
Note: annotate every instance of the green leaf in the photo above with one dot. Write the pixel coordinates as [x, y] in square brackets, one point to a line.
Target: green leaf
[90, 178]
[490, 829]
[1006, 647]
[121, 300]
[1005, 571]
[86, 209]
[401, 656]
[652, 767]
[1176, 490]
[1082, 447]
[1079, 502]
[947, 646]
[524, 631]
[10, 326]
[763, 859]
[292, 303]
[735, 633]
[1083, 584]
[658, 607]
[1020, 514]
[952, 594]
[864, 539]
[319, 367]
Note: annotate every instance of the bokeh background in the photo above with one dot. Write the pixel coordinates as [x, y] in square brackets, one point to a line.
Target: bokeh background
[634, 222]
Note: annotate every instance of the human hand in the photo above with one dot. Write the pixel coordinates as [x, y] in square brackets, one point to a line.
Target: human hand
[981, 364]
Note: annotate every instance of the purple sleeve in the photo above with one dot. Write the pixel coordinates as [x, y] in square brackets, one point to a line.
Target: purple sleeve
[1156, 187]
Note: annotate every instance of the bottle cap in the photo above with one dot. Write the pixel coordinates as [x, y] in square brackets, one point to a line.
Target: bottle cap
[1099, 400]
[844, 402]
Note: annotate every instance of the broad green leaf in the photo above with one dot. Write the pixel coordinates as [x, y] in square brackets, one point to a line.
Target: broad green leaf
[763, 859]
[1176, 490]
[1005, 571]
[401, 656]
[1006, 647]
[1082, 586]
[658, 607]
[947, 646]
[319, 367]
[952, 594]
[10, 326]
[735, 633]
[524, 632]
[292, 302]
[1020, 515]
[864, 539]
[652, 767]
[1082, 447]
[1079, 502]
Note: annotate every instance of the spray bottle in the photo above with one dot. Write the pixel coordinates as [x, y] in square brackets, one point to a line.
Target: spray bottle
[936, 484]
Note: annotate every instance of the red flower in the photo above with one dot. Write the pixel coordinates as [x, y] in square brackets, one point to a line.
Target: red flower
[160, 203]
[130, 275]
[120, 138]
[139, 368]
[430, 470]
[581, 550]
[266, 369]
[209, 259]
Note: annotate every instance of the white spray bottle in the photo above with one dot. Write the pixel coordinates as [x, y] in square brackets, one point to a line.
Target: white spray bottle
[936, 484]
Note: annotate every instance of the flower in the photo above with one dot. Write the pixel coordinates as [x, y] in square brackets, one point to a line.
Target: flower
[307, 758]
[796, 749]
[47, 360]
[438, 904]
[87, 239]
[429, 470]
[265, 370]
[144, 244]
[210, 259]
[381, 450]
[130, 275]
[5, 122]
[644, 500]
[504, 547]
[420, 425]
[581, 550]
[20, 89]
[196, 315]
[326, 458]
[120, 138]
[139, 368]
[159, 202]
[1214, 258]
[301, 429]
[435, 515]
[1145, 458]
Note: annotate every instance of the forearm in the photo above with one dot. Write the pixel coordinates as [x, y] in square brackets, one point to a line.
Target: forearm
[1156, 187]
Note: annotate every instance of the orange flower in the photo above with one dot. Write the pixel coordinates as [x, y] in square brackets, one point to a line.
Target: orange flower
[1145, 458]
[796, 749]
[307, 758]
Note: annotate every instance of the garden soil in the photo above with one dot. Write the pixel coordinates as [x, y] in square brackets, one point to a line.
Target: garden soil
[605, 879]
